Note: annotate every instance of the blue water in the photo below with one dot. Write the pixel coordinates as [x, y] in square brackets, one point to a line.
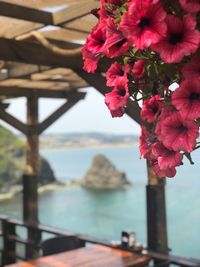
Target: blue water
[106, 213]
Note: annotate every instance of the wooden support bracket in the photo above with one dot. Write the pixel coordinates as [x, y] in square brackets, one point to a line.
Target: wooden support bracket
[11, 120]
[60, 111]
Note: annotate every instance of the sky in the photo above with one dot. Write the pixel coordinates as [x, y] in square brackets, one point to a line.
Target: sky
[90, 114]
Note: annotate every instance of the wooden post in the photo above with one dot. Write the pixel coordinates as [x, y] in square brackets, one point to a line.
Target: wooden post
[156, 213]
[9, 246]
[30, 179]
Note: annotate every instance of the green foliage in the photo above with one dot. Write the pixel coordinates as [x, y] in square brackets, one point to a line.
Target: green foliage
[11, 157]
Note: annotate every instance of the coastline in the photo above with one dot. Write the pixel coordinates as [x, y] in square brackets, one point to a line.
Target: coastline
[17, 189]
[109, 145]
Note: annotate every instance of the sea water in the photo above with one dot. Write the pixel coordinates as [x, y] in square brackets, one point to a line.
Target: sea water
[105, 213]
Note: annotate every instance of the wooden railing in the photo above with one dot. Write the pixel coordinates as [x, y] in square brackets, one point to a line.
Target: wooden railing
[14, 243]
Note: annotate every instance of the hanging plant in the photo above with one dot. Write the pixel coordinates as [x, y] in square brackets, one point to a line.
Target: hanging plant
[154, 47]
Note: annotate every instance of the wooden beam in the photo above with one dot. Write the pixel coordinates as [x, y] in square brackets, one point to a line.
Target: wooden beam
[25, 13]
[33, 53]
[60, 75]
[4, 105]
[59, 112]
[49, 89]
[17, 70]
[99, 82]
[68, 13]
[14, 122]
[74, 11]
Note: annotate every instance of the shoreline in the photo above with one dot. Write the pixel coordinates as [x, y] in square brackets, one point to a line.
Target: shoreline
[17, 189]
[61, 148]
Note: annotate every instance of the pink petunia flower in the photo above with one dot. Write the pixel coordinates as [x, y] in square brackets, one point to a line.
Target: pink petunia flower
[169, 172]
[190, 6]
[117, 98]
[182, 39]
[96, 39]
[166, 158]
[138, 69]
[178, 134]
[186, 99]
[165, 112]
[116, 44]
[113, 73]
[151, 108]
[115, 2]
[145, 142]
[90, 60]
[192, 68]
[144, 23]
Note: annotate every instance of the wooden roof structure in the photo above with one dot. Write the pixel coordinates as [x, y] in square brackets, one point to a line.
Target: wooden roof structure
[40, 49]
[40, 56]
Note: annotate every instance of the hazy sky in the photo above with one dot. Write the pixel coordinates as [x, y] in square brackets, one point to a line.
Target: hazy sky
[90, 114]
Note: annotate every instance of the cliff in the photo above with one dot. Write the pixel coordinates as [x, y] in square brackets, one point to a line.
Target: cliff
[12, 162]
[104, 175]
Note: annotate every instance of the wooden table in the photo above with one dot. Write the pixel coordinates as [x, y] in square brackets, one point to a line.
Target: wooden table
[97, 256]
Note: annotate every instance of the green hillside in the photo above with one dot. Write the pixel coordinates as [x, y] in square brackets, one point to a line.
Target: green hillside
[12, 161]
[11, 157]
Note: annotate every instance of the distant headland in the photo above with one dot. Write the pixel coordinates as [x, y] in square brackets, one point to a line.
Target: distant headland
[89, 139]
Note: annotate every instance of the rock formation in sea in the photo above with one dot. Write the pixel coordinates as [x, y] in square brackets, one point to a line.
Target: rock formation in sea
[102, 174]
[46, 174]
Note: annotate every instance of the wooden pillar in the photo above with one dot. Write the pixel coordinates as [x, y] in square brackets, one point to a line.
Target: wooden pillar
[9, 246]
[156, 213]
[30, 179]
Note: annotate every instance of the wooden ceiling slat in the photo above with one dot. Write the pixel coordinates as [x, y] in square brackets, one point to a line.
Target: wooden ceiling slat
[24, 87]
[74, 11]
[83, 24]
[11, 27]
[33, 53]
[34, 85]
[67, 13]
[25, 13]
[40, 3]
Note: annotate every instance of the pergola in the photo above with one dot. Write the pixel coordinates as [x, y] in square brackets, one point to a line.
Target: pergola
[40, 53]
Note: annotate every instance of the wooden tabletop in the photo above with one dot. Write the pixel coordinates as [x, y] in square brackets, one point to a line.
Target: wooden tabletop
[97, 256]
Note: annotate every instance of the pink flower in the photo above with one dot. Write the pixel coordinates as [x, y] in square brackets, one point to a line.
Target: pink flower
[115, 2]
[182, 39]
[144, 23]
[191, 6]
[178, 134]
[151, 108]
[138, 69]
[90, 60]
[165, 112]
[113, 73]
[166, 158]
[117, 98]
[145, 142]
[192, 68]
[187, 99]
[169, 172]
[96, 39]
[116, 44]
[105, 12]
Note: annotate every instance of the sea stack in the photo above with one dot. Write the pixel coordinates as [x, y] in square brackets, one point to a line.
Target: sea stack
[104, 175]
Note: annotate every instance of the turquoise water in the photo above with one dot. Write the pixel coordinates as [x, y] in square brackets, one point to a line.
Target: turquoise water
[106, 213]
